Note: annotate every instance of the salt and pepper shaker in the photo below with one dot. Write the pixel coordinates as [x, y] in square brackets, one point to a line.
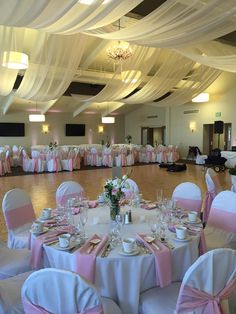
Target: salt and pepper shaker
[130, 216]
[126, 218]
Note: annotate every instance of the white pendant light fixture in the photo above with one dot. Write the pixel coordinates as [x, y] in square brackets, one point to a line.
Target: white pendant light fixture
[37, 118]
[203, 97]
[108, 120]
[15, 60]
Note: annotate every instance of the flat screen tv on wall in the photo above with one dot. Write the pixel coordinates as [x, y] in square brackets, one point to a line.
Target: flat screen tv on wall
[12, 129]
[75, 129]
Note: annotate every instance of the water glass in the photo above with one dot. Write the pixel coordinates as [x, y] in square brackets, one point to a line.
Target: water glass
[83, 217]
[159, 196]
[153, 225]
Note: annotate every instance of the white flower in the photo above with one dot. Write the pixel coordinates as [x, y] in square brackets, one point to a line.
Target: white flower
[125, 177]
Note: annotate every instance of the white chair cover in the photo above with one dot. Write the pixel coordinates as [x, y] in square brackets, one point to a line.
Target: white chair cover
[39, 164]
[188, 196]
[66, 190]
[200, 159]
[16, 158]
[220, 230]
[54, 161]
[233, 188]
[210, 274]
[10, 294]
[19, 214]
[60, 291]
[28, 164]
[13, 262]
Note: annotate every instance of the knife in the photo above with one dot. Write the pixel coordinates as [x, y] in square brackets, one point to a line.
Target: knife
[105, 250]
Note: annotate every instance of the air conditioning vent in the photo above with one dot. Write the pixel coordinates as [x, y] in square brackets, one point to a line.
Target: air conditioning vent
[152, 117]
[191, 111]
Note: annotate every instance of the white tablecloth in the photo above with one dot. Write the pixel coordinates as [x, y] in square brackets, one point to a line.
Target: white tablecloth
[120, 277]
[231, 158]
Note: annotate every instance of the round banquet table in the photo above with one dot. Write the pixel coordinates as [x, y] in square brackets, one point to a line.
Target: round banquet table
[120, 277]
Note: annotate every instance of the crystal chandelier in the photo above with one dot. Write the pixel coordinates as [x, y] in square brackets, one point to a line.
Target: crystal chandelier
[120, 51]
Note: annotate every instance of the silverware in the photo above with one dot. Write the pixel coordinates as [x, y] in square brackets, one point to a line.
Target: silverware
[167, 244]
[106, 251]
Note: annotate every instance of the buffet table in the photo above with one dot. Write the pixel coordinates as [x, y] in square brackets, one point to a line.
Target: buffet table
[122, 277]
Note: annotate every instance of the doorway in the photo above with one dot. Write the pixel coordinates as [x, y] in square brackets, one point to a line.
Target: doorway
[212, 140]
[153, 136]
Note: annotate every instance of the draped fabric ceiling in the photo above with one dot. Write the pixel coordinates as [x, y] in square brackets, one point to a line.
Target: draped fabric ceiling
[174, 49]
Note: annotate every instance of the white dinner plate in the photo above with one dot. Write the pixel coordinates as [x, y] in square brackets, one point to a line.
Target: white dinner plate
[58, 247]
[198, 221]
[133, 253]
[187, 239]
[45, 229]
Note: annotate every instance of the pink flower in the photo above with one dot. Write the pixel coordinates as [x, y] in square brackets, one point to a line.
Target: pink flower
[114, 191]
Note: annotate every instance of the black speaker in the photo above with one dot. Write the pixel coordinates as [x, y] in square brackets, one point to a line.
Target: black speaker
[219, 127]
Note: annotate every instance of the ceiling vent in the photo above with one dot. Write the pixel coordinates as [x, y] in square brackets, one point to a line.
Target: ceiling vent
[191, 111]
[152, 117]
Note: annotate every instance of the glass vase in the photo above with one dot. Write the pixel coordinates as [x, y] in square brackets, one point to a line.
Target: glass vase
[114, 209]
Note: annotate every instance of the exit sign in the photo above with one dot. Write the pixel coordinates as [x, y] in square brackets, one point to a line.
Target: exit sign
[218, 114]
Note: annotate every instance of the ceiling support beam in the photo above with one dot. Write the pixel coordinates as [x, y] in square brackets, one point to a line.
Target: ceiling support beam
[49, 104]
[6, 102]
[82, 107]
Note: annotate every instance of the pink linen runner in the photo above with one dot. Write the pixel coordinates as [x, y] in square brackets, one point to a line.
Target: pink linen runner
[19, 216]
[85, 262]
[37, 246]
[191, 299]
[30, 308]
[162, 261]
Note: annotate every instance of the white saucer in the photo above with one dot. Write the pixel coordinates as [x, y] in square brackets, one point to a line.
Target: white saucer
[45, 219]
[187, 239]
[198, 221]
[58, 247]
[133, 253]
[45, 229]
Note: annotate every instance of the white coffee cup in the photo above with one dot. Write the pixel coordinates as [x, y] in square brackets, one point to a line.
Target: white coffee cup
[181, 232]
[192, 216]
[46, 213]
[128, 245]
[37, 226]
[64, 240]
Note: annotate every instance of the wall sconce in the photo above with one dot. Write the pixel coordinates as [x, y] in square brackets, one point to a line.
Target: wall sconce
[45, 128]
[100, 129]
[192, 126]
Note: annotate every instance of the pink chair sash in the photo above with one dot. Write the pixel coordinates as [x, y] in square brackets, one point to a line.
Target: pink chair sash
[2, 168]
[189, 204]
[56, 163]
[209, 196]
[64, 198]
[191, 299]
[86, 262]
[19, 216]
[223, 220]
[30, 308]
[162, 262]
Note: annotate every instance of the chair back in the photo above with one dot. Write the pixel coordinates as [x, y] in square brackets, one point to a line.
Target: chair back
[188, 196]
[59, 291]
[66, 190]
[17, 208]
[208, 284]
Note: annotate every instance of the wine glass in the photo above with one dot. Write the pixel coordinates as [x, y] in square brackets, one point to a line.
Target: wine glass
[83, 217]
[120, 221]
[153, 225]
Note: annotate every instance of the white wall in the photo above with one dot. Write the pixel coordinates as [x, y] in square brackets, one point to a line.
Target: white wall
[222, 99]
[139, 118]
[56, 121]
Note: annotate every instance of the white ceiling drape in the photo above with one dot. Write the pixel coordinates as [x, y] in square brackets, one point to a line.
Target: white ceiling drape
[63, 16]
[214, 54]
[198, 81]
[176, 23]
[173, 68]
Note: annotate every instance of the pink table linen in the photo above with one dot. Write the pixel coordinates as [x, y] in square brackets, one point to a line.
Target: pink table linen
[162, 261]
[86, 261]
[37, 247]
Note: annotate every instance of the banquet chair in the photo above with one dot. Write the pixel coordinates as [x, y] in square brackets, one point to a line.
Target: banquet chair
[19, 215]
[13, 262]
[213, 188]
[10, 294]
[39, 164]
[131, 188]
[220, 230]
[208, 286]
[66, 190]
[233, 188]
[45, 290]
[54, 161]
[27, 163]
[188, 196]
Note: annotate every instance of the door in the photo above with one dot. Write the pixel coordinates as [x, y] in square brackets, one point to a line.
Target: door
[153, 136]
[147, 136]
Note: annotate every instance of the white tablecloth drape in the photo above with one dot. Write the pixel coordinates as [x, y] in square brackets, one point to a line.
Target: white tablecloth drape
[120, 277]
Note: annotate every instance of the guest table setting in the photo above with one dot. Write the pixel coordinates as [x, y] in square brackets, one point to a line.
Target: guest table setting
[141, 247]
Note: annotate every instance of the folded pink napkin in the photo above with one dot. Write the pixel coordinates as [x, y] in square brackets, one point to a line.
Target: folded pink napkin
[37, 246]
[92, 204]
[148, 206]
[85, 259]
[162, 261]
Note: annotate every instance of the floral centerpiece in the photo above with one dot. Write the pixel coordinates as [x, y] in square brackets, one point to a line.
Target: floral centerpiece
[113, 194]
[128, 139]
